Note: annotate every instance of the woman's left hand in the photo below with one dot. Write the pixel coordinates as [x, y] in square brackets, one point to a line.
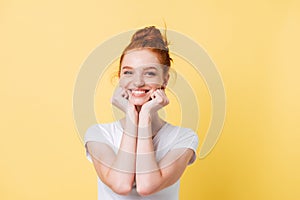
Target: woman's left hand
[158, 100]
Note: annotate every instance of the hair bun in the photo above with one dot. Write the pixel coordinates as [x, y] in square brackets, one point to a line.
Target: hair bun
[150, 37]
[149, 33]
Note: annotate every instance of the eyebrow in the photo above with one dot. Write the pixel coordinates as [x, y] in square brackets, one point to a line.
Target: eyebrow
[126, 67]
[146, 68]
[151, 67]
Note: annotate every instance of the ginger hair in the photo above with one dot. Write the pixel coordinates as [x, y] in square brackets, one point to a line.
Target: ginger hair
[150, 38]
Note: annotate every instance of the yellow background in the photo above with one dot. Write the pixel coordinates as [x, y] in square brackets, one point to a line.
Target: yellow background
[255, 45]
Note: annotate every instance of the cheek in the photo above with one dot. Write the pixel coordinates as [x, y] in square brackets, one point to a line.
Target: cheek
[123, 82]
[155, 82]
[155, 86]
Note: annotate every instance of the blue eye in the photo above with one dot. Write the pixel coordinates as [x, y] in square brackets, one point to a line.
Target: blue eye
[127, 72]
[150, 73]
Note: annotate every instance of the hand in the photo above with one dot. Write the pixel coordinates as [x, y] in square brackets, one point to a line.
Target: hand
[120, 99]
[158, 100]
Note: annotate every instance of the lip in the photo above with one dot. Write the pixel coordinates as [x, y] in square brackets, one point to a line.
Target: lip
[139, 92]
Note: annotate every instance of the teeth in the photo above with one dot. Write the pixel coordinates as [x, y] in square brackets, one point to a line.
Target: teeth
[138, 91]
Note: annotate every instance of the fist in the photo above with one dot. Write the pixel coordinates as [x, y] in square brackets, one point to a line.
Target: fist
[120, 99]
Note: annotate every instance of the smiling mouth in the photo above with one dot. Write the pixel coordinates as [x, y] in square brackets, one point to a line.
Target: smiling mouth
[139, 92]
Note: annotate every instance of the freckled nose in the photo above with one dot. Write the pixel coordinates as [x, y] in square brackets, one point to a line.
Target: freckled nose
[139, 81]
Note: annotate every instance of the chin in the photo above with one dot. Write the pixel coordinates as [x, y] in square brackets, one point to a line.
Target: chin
[139, 102]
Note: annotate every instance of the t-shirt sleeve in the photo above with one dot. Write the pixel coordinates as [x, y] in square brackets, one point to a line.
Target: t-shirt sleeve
[187, 139]
[96, 134]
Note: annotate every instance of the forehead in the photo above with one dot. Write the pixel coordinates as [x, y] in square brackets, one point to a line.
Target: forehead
[140, 58]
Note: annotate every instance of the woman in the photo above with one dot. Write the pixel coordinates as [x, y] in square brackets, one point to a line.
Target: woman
[141, 156]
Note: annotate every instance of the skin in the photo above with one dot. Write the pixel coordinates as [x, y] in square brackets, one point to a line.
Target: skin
[140, 95]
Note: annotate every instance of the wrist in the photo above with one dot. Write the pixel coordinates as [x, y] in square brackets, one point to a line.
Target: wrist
[131, 112]
[131, 124]
[145, 113]
[144, 119]
[132, 118]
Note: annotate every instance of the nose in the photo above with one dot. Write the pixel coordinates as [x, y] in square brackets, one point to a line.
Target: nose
[138, 80]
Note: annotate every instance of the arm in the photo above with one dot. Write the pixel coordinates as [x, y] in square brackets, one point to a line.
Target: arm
[151, 176]
[117, 171]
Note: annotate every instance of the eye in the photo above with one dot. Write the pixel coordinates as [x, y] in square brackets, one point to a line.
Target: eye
[150, 73]
[127, 72]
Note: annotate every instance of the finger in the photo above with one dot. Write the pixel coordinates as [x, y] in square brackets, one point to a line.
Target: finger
[126, 94]
[162, 87]
[152, 91]
[160, 93]
[154, 94]
[158, 97]
[129, 95]
[164, 97]
[123, 94]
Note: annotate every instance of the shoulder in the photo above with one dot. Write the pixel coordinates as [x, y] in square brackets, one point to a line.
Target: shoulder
[101, 132]
[177, 137]
[178, 132]
[181, 138]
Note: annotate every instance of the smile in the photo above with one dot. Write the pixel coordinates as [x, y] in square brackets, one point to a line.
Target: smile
[139, 92]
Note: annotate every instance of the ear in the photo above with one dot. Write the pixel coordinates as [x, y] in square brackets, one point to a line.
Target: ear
[166, 80]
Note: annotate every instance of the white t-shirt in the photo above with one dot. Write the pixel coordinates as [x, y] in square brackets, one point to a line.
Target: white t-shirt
[167, 138]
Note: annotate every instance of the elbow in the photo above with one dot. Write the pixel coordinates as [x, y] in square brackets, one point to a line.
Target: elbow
[145, 190]
[121, 189]
[143, 193]
[121, 186]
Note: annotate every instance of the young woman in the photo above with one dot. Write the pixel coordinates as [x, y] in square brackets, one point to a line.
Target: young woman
[141, 156]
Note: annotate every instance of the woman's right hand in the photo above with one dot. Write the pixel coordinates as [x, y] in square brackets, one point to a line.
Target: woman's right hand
[120, 99]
